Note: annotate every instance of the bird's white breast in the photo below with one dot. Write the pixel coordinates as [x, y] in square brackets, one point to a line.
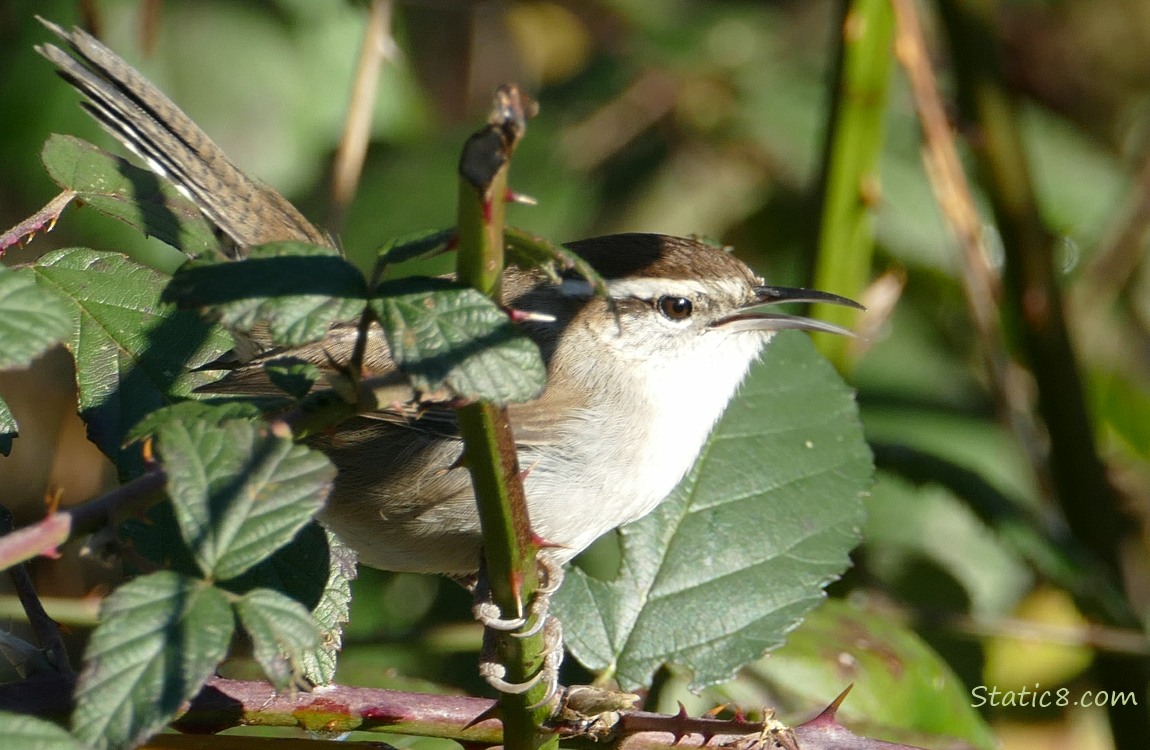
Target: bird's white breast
[631, 445]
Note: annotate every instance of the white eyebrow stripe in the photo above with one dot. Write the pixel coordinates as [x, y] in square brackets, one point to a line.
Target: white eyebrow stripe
[651, 288]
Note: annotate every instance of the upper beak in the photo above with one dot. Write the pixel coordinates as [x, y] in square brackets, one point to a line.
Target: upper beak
[773, 295]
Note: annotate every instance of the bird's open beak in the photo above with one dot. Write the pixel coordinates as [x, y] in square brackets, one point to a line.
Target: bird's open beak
[748, 320]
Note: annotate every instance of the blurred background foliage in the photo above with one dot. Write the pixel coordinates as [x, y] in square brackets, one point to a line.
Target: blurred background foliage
[708, 118]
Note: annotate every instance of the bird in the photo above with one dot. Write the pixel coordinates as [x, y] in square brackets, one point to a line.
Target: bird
[636, 378]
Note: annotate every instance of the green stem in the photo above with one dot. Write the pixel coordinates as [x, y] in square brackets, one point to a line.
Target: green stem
[509, 548]
[849, 183]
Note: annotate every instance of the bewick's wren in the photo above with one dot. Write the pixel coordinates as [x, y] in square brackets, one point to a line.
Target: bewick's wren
[633, 389]
[635, 382]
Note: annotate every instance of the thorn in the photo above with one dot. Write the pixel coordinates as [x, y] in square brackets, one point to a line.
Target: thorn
[148, 450]
[529, 316]
[834, 706]
[52, 497]
[491, 712]
[682, 717]
[717, 710]
[524, 473]
[827, 716]
[542, 543]
[522, 199]
[517, 590]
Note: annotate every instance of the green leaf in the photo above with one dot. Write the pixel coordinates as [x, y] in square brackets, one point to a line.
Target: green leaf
[901, 534]
[316, 570]
[292, 375]
[741, 550]
[1123, 405]
[126, 192]
[239, 491]
[528, 250]
[21, 660]
[8, 428]
[331, 613]
[32, 319]
[900, 683]
[160, 638]
[442, 334]
[1078, 181]
[299, 569]
[156, 537]
[413, 245]
[297, 289]
[133, 353]
[216, 412]
[30, 733]
[281, 629]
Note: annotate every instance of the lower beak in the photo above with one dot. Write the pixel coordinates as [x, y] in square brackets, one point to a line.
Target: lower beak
[774, 295]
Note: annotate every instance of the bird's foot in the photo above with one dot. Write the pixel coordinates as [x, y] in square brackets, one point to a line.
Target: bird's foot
[495, 673]
[524, 624]
[487, 612]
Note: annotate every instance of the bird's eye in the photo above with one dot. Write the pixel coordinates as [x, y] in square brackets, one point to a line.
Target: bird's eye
[675, 308]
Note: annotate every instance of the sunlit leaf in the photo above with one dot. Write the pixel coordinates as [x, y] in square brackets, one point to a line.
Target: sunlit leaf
[441, 334]
[239, 492]
[32, 319]
[296, 289]
[282, 631]
[191, 411]
[331, 613]
[133, 353]
[316, 570]
[126, 192]
[31, 733]
[1123, 405]
[160, 638]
